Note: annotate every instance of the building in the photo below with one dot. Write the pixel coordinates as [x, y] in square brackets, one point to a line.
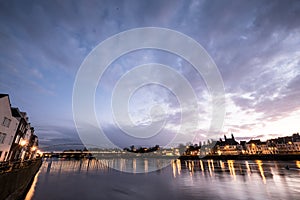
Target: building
[29, 144]
[8, 127]
[228, 146]
[19, 142]
[257, 147]
[285, 145]
[17, 138]
[33, 146]
[207, 148]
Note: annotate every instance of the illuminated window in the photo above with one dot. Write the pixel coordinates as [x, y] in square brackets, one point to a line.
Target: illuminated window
[17, 139]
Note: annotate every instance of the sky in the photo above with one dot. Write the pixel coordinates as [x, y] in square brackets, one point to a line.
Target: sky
[254, 44]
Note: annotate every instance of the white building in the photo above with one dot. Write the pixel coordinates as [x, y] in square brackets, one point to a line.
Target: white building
[8, 127]
[257, 147]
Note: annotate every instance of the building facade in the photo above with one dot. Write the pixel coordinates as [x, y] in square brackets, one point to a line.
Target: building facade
[8, 127]
[229, 146]
[17, 138]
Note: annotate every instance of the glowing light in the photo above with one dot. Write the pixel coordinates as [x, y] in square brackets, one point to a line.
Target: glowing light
[39, 152]
[33, 148]
[209, 168]
[231, 168]
[146, 166]
[174, 169]
[298, 163]
[178, 166]
[134, 165]
[32, 188]
[191, 167]
[201, 164]
[23, 142]
[261, 170]
[248, 169]
[222, 165]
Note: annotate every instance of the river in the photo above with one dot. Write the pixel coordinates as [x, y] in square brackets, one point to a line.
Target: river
[205, 179]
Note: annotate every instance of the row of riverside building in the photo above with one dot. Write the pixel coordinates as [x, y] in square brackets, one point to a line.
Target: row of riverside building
[229, 146]
[17, 138]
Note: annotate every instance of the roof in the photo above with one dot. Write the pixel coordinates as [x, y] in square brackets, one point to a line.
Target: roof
[3, 95]
[227, 142]
[16, 112]
[254, 142]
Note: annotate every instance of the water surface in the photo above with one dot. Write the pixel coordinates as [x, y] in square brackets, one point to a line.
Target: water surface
[206, 179]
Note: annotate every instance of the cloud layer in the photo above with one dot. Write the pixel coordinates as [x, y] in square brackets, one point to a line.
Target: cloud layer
[255, 44]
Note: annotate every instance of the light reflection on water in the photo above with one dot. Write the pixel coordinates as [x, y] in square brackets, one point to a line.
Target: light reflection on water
[241, 179]
[202, 179]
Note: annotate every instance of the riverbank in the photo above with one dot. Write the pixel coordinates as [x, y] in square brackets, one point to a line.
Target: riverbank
[16, 177]
[283, 157]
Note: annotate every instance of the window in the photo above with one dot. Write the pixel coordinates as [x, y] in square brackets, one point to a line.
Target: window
[6, 122]
[17, 139]
[2, 137]
[11, 139]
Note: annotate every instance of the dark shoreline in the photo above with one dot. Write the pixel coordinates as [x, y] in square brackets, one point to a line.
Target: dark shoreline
[14, 184]
[283, 157]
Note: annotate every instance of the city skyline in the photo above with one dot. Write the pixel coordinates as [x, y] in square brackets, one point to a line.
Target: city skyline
[255, 46]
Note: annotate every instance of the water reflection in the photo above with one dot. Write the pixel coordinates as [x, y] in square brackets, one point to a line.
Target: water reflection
[242, 177]
[204, 179]
[30, 193]
[266, 170]
[261, 170]
[298, 164]
[134, 165]
[233, 168]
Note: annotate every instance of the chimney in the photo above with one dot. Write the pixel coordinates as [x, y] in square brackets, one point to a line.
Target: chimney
[232, 136]
[225, 137]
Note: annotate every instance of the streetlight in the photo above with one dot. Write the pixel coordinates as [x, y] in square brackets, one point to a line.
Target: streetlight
[39, 152]
[33, 148]
[23, 142]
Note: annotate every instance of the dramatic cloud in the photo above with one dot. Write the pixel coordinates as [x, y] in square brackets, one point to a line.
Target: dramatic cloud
[255, 44]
